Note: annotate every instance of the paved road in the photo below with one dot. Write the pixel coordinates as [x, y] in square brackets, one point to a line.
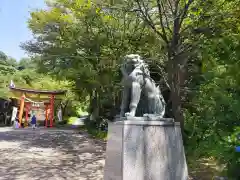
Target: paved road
[45, 154]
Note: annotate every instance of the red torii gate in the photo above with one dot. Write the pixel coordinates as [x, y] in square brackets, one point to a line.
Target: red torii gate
[24, 92]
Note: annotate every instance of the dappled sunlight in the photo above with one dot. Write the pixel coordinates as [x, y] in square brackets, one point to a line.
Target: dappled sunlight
[206, 168]
[49, 154]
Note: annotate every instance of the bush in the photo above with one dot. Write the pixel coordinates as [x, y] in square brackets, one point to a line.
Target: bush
[202, 139]
[71, 120]
[232, 157]
[99, 124]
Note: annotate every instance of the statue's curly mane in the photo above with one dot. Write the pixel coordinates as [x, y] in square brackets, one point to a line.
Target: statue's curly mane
[138, 62]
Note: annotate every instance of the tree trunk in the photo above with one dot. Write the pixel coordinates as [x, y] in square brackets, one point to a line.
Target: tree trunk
[175, 78]
[64, 108]
[94, 105]
[176, 102]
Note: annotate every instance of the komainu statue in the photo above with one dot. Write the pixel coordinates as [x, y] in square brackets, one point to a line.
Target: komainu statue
[141, 96]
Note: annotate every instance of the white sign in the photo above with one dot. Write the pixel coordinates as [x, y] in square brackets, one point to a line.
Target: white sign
[59, 114]
[12, 85]
[14, 113]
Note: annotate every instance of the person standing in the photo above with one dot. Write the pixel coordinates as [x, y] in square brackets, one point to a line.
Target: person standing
[34, 121]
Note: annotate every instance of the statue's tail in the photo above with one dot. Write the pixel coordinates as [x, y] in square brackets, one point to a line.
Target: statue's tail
[161, 104]
[160, 95]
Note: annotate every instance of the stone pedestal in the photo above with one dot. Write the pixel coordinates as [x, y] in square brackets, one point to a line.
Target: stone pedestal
[145, 150]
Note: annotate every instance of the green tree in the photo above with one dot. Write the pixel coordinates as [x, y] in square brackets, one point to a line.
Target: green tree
[12, 62]
[83, 42]
[26, 63]
[213, 118]
[6, 71]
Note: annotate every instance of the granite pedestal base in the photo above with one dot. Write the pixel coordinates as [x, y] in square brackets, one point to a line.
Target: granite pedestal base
[145, 150]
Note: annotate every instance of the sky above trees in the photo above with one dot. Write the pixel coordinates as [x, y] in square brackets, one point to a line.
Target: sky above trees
[14, 30]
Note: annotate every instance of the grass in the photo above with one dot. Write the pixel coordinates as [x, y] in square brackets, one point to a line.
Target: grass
[94, 133]
[71, 120]
[205, 168]
[101, 135]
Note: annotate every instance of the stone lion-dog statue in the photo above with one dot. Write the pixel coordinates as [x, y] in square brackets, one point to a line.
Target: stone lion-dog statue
[140, 96]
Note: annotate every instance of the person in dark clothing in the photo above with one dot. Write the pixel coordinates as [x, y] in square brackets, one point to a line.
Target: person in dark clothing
[34, 121]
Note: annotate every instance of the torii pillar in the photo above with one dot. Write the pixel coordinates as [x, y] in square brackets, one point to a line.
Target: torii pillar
[51, 110]
[21, 109]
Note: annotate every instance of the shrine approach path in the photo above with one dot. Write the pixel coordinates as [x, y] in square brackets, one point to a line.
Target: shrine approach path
[49, 154]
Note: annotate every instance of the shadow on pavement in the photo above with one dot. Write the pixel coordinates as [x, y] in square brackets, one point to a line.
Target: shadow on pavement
[49, 154]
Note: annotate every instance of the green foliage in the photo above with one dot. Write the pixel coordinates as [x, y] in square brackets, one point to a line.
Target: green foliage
[214, 113]
[7, 70]
[80, 111]
[98, 134]
[12, 62]
[26, 63]
[71, 120]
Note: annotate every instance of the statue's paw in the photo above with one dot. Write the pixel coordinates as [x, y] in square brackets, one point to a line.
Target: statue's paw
[128, 114]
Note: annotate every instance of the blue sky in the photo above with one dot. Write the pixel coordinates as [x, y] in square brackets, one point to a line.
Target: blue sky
[13, 25]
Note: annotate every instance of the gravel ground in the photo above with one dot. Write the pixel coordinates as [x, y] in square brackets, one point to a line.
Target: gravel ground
[49, 154]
